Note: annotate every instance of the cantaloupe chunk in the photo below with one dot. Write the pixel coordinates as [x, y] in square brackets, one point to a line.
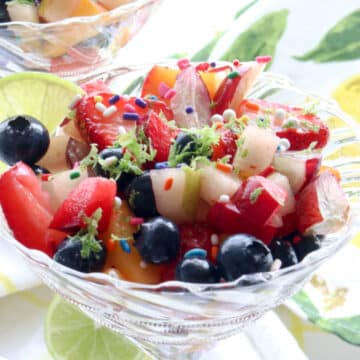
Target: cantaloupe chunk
[129, 265]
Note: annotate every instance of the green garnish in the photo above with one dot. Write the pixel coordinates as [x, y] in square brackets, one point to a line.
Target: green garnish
[310, 125]
[138, 150]
[263, 122]
[290, 124]
[199, 148]
[237, 125]
[255, 195]
[244, 153]
[87, 236]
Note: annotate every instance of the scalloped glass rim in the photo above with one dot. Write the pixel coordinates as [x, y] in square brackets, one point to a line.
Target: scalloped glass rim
[331, 244]
[120, 10]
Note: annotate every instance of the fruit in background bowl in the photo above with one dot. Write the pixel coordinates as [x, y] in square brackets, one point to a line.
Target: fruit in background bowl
[165, 189]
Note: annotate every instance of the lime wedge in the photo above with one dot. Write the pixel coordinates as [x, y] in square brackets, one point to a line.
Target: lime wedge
[46, 97]
[71, 335]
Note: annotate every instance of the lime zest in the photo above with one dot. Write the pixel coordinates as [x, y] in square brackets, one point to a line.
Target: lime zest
[254, 195]
[200, 146]
[88, 236]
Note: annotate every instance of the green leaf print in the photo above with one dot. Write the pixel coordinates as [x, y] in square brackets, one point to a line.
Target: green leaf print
[347, 328]
[204, 53]
[245, 8]
[341, 43]
[261, 38]
[306, 305]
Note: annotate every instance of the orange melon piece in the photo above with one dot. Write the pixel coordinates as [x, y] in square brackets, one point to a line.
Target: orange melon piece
[127, 264]
[55, 10]
[212, 81]
[155, 77]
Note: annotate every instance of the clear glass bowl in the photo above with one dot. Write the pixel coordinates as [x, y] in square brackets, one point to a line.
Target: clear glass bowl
[73, 46]
[180, 320]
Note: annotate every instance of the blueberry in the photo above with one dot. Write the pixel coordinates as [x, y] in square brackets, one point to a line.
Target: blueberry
[197, 270]
[23, 138]
[284, 251]
[124, 179]
[185, 146]
[243, 254]
[158, 240]
[69, 254]
[140, 196]
[306, 245]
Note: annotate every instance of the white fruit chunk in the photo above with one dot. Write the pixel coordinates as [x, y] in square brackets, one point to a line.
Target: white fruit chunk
[179, 202]
[215, 183]
[257, 150]
[299, 169]
[283, 182]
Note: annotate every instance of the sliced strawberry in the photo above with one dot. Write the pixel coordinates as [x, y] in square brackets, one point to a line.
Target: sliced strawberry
[191, 102]
[90, 195]
[301, 138]
[225, 146]
[26, 209]
[161, 136]
[308, 128]
[322, 207]
[226, 218]
[104, 130]
[259, 198]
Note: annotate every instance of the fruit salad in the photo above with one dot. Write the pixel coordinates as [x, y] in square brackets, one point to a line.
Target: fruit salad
[190, 179]
[53, 10]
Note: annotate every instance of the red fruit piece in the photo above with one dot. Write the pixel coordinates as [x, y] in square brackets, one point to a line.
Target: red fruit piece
[322, 207]
[91, 194]
[259, 198]
[26, 209]
[191, 102]
[225, 146]
[309, 127]
[103, 130]
[302, 137]
[161, 136]
[192, 236]
[226, 218]
[235, 87]
[195, 236]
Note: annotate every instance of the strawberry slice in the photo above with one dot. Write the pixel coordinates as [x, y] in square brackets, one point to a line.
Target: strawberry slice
[322, 207]
[191, 102]
[259, 198]
[161, 136]
[103, 130]
[26, 208]
[226, 218]
[307, 128]
[225, 146]
[235, 86]
[85, 199]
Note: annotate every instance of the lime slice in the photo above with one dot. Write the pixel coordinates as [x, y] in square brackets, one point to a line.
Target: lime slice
[46, 97]
[71, 335]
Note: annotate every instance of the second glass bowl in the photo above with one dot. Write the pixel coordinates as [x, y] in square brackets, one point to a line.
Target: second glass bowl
[73, 46]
